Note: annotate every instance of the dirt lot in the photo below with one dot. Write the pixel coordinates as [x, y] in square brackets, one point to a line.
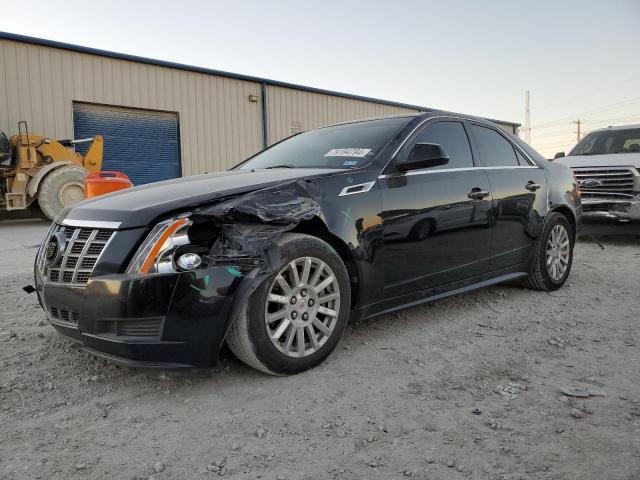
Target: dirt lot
[422, 394]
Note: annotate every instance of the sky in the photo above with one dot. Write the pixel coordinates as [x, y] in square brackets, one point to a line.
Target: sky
[580, 60]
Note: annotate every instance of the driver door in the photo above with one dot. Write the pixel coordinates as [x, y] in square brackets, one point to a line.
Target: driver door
[436, 221]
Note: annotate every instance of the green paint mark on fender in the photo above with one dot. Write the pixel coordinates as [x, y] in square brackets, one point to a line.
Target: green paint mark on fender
[347, 215]
[235, 272]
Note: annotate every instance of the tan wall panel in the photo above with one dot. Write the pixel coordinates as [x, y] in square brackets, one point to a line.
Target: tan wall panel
[312, 110]
[219, 127]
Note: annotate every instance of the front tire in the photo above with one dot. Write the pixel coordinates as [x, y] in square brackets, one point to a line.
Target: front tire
[553, 255]
[62, 187]
[295, 318]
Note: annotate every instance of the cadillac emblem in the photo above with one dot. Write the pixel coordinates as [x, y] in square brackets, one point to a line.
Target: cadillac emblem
[55, 249]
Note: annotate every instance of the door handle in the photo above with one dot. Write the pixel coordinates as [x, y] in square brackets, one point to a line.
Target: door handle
[532, 186]
[477, 194]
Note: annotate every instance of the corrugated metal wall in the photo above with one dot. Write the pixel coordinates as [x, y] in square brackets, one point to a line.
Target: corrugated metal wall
[291, 110]
[219, 127]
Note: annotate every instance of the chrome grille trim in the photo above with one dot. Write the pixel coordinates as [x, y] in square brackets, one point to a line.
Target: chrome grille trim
[92, 224]
[84, 248]
[615, 181]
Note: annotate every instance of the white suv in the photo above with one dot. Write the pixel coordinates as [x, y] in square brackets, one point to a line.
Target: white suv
[606, 164]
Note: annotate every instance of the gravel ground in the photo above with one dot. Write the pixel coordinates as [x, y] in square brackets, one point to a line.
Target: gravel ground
[469, 387]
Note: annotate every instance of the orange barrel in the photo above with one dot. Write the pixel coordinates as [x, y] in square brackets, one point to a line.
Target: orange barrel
[99, 183]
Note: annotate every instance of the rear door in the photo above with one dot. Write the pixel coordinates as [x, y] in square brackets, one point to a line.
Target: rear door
[519, 189]
[436, 222]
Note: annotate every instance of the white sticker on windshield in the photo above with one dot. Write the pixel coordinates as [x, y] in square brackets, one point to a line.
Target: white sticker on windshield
[347, 152]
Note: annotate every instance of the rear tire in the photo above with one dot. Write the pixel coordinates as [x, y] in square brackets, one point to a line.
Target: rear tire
[60, 188]
[553, 255]
[308, 315]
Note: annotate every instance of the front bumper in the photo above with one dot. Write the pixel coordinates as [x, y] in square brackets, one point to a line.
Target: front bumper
[174, 320]
[624, 210]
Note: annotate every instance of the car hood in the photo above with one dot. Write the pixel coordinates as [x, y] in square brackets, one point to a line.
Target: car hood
[140, 206]
[609, 160]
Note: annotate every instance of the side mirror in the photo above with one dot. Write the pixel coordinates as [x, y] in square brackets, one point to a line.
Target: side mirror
[424, 155]
[559, 155]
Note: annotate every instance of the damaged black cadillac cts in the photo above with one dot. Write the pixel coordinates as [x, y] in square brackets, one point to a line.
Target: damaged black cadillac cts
[274, 256]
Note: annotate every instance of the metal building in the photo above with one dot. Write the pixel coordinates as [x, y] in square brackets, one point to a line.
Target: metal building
[159, 119]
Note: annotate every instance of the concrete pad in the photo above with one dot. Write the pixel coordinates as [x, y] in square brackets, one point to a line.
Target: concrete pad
[19, 242]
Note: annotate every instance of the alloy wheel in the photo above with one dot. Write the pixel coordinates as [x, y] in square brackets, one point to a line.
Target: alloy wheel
[558, 250]
[302, 307]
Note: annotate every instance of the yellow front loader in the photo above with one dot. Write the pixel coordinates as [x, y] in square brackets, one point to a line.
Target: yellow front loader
[33, 167]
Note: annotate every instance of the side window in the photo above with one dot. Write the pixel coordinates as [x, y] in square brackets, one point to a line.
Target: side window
[452, 137]
[494, 150]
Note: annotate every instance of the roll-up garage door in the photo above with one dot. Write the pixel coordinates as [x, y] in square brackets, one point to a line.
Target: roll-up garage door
[141, 143]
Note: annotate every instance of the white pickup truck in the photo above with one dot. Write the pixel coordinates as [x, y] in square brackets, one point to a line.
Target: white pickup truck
[606, 164]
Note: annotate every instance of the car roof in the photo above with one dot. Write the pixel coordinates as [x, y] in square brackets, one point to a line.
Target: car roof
[424, 114]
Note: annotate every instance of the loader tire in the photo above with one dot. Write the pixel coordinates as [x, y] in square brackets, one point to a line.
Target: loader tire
[62, 187]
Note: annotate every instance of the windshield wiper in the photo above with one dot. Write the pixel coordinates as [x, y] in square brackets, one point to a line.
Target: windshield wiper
[280, 166]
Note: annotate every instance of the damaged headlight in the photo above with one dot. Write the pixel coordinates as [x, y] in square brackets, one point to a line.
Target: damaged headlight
[155, 255]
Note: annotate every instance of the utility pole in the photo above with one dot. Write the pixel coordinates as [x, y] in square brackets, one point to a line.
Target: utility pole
[578, 133]
[527, 119]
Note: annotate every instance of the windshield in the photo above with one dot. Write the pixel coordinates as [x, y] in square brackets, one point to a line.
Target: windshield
[609, 141]
[342, 146]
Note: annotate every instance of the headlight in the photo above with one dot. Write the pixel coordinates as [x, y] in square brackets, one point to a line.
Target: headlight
[155, 255]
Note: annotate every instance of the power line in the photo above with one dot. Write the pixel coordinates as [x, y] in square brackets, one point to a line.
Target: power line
[611, 106]
[564, 102]
[561, 129]
[554, 138]
[551, 140]
[619, 119]
[594, 124]
[553, 144]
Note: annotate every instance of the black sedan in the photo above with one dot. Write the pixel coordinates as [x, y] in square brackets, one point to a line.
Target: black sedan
[274, 256]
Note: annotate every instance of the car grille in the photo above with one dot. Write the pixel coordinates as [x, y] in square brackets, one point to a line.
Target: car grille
[64, 316]
[83, 249]
[603, 182]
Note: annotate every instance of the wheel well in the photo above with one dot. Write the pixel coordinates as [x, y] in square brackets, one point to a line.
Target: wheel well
[566, 211]
[316, 228]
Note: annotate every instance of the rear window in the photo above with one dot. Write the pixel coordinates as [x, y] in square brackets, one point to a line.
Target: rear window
[494, 150]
